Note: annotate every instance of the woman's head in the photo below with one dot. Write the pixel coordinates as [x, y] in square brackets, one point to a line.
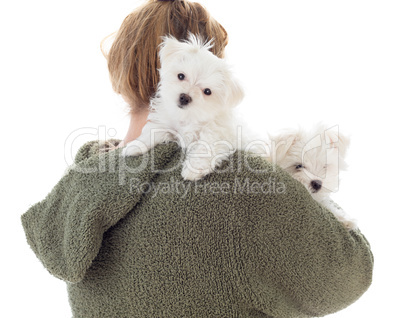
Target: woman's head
[133, 57]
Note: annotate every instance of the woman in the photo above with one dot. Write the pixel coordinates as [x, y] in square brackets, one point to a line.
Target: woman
[132, 239]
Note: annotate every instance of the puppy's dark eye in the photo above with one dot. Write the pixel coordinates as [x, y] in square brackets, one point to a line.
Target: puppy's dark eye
[181, 76]
[298, 167]
[207, 91]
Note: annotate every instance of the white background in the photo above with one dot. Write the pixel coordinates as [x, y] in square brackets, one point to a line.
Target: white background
[301, 62]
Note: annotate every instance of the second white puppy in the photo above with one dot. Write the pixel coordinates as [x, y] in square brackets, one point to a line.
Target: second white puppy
[315, 159]
[193, 106]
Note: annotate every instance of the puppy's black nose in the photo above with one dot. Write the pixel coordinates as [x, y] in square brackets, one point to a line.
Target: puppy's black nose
[185, 99]
[316, 185]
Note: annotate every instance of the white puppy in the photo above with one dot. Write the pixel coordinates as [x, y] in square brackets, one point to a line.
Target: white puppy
[315, 159]
[193, 106]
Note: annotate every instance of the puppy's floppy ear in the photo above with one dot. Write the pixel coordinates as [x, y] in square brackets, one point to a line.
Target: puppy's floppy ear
[281, 144]
[337, 140]
[169, 47]
[235, 92]
[344, 142]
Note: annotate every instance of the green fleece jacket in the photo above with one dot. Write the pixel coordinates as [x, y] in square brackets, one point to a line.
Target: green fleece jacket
[132, 239]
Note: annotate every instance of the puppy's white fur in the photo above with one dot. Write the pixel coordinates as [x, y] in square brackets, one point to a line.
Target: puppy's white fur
[314, 158]
[185, 112]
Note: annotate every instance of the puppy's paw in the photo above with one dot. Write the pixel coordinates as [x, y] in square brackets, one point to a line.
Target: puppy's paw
[192, 175]
[340, 214]
[349, 224]
[196, 170]
[134, 149]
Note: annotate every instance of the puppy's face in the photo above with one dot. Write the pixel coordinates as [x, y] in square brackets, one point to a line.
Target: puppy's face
[314, 158]
[195, 84]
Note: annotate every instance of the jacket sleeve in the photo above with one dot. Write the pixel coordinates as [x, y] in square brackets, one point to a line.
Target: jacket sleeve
[66, 229]
[299, 261]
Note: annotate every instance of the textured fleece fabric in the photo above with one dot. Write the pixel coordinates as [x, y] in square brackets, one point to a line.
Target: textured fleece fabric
[132, 239]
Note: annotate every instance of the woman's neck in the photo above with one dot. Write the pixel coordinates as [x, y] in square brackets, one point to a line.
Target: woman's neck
[137, 123]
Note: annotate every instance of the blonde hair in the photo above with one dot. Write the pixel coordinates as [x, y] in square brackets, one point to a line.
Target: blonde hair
[133, 57]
